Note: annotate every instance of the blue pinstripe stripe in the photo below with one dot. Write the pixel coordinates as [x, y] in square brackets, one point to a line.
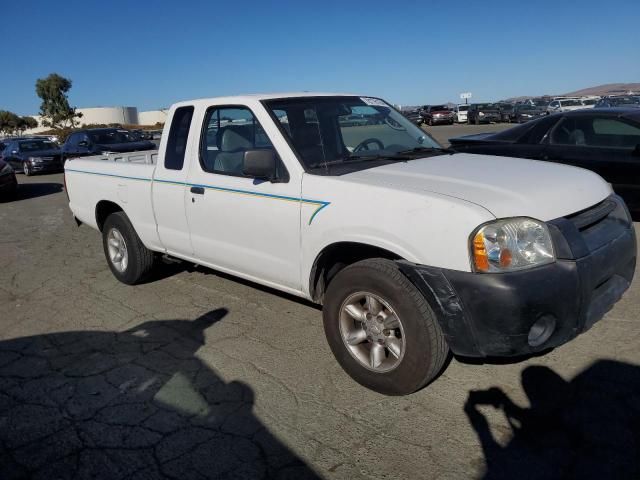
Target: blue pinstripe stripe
[319, 203]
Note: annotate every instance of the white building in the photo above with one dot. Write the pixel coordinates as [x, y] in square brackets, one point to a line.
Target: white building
[107, 115]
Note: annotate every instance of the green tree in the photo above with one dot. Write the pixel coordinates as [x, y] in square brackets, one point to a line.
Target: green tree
[55, 109]
[26, 123]
[9, 122]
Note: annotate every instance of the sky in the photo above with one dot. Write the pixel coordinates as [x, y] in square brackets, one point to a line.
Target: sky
[151, 54]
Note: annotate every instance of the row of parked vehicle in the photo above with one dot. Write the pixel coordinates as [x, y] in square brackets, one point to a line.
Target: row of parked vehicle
[518, 112]
[40, 154]
[43, 154]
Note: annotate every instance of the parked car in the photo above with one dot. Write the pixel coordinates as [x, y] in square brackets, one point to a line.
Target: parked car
[33, 155]
[437, 114]
[506, 111]
[606, 141]
[8, 182]
[525, 112]
[411, 249]
[629, 101]
[590, 102]
[483, 113]
[95, 141]
[413, 115]
[564, 105]
[461, 113]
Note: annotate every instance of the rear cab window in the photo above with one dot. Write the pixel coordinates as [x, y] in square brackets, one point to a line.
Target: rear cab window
[178, 136]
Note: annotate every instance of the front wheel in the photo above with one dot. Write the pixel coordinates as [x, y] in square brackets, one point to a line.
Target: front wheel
[381, 329]
[129, 260]
[26, 168]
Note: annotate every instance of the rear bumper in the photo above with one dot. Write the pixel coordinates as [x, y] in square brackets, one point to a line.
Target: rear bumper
[528, 311]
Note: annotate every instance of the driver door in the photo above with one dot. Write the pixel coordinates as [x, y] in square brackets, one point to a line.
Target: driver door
[240, 224]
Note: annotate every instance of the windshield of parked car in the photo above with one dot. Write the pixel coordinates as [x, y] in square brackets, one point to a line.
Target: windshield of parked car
[37, 145]
[109, 137]
[624, 100]
[463, 108]
[589, 101]
[439, 108]
[571, 103]
[486, 106]
[329, 132]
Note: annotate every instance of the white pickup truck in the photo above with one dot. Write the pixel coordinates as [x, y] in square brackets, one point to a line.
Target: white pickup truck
[414, 251]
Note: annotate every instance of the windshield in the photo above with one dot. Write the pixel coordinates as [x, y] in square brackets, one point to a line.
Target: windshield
[439, 108]
[486, 106]
[109, 137]
[463, 108]
[571, 103]
[335, 131]
[589, 101]
[37, 145]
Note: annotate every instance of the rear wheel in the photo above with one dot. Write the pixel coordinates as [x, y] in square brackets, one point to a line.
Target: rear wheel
[381, 329]
[26, 168]
[129, 260]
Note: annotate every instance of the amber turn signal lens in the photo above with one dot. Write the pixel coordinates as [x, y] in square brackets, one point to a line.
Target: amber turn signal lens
[480, 257]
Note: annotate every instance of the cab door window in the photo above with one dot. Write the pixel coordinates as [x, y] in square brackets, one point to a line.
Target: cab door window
[228, 132]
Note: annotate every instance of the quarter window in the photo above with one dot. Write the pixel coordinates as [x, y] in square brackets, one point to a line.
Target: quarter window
[178, 136]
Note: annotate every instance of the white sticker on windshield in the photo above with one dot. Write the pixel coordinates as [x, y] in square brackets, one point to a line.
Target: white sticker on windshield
[376, 102]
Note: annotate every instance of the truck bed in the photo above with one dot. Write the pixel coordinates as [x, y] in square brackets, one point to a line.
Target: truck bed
[125, 179]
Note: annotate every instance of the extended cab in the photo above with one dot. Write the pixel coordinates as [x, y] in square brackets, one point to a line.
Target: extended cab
[413, 250]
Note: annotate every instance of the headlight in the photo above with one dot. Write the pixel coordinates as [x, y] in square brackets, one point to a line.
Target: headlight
[511, 244]
[35, 159]
[481, 114]
[6, 170]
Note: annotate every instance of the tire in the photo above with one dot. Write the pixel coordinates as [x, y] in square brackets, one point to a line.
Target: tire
[26, 169]
[139, 259]
[424, 349]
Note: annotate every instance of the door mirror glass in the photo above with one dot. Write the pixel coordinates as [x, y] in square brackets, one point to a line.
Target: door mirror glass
[259, 164]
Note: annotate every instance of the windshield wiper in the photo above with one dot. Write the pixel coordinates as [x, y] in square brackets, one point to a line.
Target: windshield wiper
[427, 149]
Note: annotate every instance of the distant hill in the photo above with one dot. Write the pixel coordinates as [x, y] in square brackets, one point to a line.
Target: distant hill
[607, 89]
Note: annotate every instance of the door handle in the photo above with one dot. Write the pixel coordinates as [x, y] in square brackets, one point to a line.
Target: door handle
[197, 190]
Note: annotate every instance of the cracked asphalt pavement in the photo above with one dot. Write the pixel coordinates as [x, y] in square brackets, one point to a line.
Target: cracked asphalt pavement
[197, 375]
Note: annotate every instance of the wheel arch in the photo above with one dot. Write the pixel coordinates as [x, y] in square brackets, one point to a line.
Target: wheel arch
[104, 208]
[338, 255]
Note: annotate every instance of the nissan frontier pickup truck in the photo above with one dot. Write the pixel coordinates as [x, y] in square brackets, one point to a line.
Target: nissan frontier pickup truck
[412, 250]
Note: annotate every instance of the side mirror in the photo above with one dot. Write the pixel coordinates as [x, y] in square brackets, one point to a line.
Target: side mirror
[259, 164]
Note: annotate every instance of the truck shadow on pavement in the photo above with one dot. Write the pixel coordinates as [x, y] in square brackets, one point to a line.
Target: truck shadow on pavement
[587, 428]
[133, 404]
[33, 190]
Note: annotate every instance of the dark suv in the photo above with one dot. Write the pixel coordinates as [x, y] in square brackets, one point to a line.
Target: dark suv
[483, 113]
[32, 155]
[95, 141]
[436, 114]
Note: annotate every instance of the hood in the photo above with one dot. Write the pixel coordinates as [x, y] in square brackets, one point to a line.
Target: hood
[506, 187]
[126, 147]
[476, 137]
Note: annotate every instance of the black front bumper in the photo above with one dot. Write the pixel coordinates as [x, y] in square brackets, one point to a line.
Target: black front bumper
[494, 314]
